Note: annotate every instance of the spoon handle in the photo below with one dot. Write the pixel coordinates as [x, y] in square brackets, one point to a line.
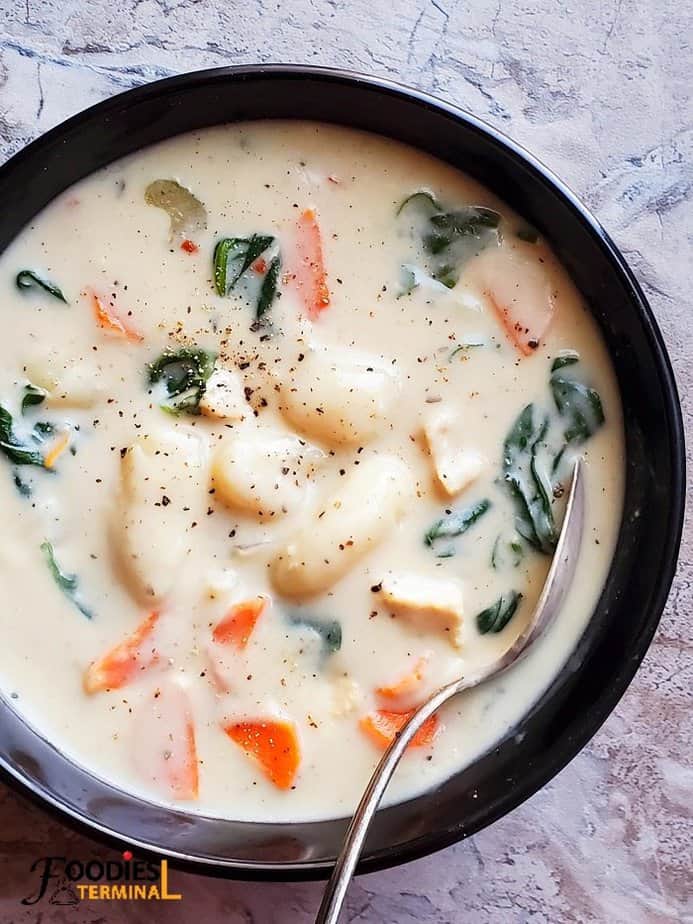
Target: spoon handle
[557, 583]
[336, 888]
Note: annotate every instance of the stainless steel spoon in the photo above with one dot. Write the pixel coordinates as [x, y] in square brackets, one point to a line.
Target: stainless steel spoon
[558, 581]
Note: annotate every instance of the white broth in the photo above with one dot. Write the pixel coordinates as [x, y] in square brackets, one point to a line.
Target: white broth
[294, 454]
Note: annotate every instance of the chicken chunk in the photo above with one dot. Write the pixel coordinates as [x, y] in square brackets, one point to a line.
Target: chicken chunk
[431, 603]
[224, 397]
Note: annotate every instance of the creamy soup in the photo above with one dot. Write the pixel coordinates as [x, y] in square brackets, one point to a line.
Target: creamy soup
[288, 416]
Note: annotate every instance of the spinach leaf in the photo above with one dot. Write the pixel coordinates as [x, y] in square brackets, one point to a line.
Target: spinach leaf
[233, 256]
[456, 523]
[565, 358]
[450, 238]
[16, 451]
[422, 197]
[529, 488]
[506, 552]
[468, 345]
[22, 486]
[578, 403]
[68, 583]
[28, 279]
[268, 290]
[220, 260]
[497, 616]
[184, 374]
[33, 395]
[186, 212]
[330, 631]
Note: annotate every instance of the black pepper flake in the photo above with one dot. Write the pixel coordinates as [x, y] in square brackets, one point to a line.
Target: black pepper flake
[165, 501]
[376, 588]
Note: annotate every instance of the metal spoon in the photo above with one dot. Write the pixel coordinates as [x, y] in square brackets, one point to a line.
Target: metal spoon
[558, 581]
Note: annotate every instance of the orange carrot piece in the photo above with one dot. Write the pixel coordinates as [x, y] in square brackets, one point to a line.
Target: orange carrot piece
[109, 320]
[183, 772]
[164, 747]
[117, 667]
[518, 335]
[189, 246]
[238, 624]
[382, 727]
[56, 450]
[311, 277]
[273, 745]
[407, 684]
[260, 265]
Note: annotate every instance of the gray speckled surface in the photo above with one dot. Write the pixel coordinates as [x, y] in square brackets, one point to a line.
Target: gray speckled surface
[600, 91]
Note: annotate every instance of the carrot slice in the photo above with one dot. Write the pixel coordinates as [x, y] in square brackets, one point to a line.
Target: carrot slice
[382, 727]
[114, 669]
[238, 624]
[310, 276]
[519, 281]
[109, 320]
[165, 750]
[407, 684]
[56, 450]
[183, 771]
[273, 745]
[523, 337]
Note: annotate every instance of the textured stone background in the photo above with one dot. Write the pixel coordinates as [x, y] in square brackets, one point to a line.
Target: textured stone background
[600, 91]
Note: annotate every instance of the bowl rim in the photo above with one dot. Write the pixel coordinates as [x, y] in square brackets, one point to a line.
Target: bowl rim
[535, 776]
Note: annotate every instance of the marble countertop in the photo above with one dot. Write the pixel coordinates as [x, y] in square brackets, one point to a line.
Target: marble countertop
[600, 91]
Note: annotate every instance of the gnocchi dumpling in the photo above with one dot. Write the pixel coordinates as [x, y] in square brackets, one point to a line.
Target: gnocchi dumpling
[455, 466]
[336, 398]
[69, 380]
[162, 484]
[262, 472]
[344, 526]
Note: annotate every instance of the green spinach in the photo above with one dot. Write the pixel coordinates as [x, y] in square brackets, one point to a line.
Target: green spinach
[184, 374]
[234, 256]
[576, 402]
[528, 487]
[455, 523]
[506, 552]
[28, 279]
[268, 290]
[497, 616]
[18, 452]
[450, 238]
[68, 583]
[329, 631]
[33, 395]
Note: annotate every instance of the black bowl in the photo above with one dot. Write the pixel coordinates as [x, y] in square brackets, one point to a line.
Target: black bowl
[579, 700]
